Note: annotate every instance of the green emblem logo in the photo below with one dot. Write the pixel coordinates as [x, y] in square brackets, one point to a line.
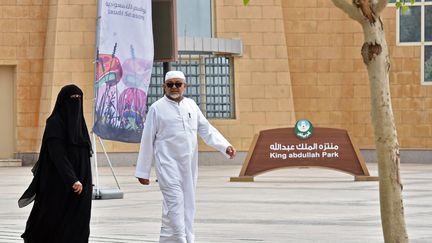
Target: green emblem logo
[303, 129]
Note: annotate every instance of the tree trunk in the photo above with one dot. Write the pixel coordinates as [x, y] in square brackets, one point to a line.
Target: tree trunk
[376, 57]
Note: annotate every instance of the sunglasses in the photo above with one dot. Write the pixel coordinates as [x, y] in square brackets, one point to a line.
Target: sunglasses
[176, 84]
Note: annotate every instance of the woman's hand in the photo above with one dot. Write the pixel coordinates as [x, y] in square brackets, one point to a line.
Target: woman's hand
[77, 187]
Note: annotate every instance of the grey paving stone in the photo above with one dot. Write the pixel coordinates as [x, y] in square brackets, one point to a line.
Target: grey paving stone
[288, 205]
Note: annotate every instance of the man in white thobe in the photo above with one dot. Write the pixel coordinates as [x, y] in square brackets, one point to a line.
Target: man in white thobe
[170, 139]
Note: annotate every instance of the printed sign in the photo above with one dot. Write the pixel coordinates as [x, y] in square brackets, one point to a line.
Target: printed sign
[280, 148]
[304, 150]
[123, 69]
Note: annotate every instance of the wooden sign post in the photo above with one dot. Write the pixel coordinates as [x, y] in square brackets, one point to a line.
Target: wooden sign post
[280, 148]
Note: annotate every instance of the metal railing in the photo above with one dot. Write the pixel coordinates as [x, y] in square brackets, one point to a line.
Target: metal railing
[210, 83]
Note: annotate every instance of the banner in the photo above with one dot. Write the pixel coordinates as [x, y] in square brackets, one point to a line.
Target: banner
[124, 62]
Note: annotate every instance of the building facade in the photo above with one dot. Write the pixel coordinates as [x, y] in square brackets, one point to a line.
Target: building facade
[299, 59]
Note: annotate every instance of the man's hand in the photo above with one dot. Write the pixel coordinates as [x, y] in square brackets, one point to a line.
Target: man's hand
[77, 187]
[231, 151]
[144, 181]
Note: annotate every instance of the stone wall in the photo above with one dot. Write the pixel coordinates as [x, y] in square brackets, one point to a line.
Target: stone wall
[22, 41]
[301, 59]
[262, 76]
[329, 80]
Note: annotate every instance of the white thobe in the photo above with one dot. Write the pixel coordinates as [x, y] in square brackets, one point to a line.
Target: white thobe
[170, 139]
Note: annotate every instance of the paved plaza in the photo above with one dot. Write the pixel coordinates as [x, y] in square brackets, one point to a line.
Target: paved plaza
[288, 205]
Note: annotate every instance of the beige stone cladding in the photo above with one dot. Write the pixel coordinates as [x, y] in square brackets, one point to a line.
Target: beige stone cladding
[69, 54]
[22, 41]
[301, 59]
[262, 77]
[329, 80]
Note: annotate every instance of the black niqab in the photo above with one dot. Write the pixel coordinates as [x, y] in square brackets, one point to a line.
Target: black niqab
[70, 111]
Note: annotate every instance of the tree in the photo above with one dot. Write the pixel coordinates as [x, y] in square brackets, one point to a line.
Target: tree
[376, 58]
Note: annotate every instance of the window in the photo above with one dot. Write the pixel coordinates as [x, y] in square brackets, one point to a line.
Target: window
[210, 83]
[194, 18]
[414, 27]
[209, 76]
[427, 60]
[407, 1]
[409, 27]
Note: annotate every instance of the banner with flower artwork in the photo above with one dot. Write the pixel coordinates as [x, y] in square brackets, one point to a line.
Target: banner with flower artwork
[124, 63]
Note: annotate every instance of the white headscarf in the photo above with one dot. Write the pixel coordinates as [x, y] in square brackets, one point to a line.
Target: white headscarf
[175, 74]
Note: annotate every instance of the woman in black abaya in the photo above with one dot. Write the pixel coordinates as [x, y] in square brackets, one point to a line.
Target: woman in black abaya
[62, 182]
